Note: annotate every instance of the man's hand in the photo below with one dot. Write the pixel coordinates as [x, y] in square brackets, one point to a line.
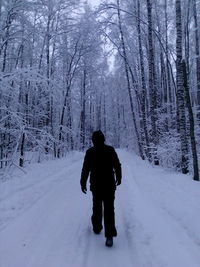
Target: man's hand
[118, 182]
[84, 189]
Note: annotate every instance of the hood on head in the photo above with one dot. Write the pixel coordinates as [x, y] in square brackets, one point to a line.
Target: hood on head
[98, 138]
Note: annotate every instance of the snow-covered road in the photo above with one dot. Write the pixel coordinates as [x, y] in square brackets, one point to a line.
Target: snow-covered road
[45, 219]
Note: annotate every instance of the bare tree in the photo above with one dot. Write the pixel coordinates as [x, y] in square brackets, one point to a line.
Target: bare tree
[152, 85]
[181, 116]
[191, 122]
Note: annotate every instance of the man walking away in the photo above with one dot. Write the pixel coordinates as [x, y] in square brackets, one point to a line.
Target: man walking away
[102, 163]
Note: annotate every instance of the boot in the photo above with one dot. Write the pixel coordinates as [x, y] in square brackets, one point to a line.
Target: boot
[97, 232]
[109, 241]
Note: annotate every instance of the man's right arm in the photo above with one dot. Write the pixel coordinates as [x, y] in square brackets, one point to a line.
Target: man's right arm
[117, 168]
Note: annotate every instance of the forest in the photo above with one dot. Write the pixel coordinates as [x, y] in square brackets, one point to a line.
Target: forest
[130, 68]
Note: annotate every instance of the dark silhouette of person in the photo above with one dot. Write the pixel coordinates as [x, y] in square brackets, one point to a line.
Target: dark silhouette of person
[102, 163]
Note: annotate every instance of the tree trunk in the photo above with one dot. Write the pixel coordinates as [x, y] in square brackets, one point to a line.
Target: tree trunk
[83, 111]
[0, 8]
[197, 51]
[21, 159]
[60, 137]
[128, 81]
[191, 122]
[181, 118]
[7, 27]
[169, 86]
[143, 92]
[152, 86]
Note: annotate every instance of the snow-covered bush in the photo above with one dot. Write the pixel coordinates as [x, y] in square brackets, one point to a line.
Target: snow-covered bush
[169, 151]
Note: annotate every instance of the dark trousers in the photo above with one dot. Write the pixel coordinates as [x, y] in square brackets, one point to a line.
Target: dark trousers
[103, 205]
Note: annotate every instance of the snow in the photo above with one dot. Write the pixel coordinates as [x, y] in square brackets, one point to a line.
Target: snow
[45, 218]
[94, 3]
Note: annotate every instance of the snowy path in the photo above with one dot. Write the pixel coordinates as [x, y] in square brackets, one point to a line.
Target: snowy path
[157, 217]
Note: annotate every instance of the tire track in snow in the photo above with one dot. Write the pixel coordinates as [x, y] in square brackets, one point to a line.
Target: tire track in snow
[23, 199]
[157, 240]
[43, 180]
[45, 234]
[56, 230]
[122, 252]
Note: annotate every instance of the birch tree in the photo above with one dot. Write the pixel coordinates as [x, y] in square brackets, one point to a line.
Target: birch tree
[181, 116]
[152, 85]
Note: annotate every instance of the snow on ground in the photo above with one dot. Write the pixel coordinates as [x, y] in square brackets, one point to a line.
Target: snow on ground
[45, 219]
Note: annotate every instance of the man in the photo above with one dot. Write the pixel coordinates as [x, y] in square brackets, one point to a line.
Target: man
[102, 163]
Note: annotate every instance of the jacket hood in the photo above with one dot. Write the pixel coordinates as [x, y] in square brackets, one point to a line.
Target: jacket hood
[98, 138]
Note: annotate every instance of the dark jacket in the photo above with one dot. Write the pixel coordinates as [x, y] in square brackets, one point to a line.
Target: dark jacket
[102, 163]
